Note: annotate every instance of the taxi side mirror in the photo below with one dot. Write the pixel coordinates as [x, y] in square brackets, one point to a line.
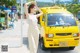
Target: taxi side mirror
[43, 22]
[43, 19]
[77, 21]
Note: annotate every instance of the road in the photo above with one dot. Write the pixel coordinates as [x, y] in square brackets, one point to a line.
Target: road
[76, 50]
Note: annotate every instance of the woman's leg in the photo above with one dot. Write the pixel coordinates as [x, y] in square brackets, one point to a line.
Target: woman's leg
[30, 40]
[35, 34]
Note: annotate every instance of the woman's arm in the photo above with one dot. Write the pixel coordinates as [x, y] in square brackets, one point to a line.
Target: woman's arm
[40, 13]
[39, 10]
[26, 9]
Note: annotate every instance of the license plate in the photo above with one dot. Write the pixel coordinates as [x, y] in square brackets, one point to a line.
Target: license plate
[63, 44]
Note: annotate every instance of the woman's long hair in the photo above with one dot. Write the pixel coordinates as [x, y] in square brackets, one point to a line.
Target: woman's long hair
[30, 7]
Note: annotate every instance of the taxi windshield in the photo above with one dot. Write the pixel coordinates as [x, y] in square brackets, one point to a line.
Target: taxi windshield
[59, 19]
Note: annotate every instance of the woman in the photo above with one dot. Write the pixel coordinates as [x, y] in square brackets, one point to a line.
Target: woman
[33, 31]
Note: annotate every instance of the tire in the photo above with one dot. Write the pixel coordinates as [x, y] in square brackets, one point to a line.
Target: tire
[39, 37]
[71, 48]
[42, 44]
[79, 19]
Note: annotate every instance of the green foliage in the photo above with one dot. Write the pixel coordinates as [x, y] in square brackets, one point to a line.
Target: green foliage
[74, 8]
[75, 1]
[8, 2]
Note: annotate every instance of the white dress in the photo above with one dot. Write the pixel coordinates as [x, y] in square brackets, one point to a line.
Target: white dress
[33, 33]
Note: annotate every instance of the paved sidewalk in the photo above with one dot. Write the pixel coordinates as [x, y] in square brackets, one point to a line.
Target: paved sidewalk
[12, 37]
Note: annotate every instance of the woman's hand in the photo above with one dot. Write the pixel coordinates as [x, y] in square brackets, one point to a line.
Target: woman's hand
[32, 2]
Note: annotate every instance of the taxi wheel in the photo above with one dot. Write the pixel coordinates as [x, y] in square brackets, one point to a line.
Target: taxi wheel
[71, 48]
[42, 44]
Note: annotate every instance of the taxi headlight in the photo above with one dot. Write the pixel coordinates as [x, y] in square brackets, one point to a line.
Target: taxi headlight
[50, 35]
[75, 35]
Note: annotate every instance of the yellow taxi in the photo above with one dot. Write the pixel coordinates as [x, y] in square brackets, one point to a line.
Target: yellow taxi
[58, 28]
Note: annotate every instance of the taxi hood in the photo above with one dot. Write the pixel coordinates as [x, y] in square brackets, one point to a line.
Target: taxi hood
[68, 29]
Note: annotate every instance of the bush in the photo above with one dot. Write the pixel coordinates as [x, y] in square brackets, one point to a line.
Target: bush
[2, 15]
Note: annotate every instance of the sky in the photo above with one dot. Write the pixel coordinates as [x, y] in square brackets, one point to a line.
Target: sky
[45, 0]
[51, 0]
